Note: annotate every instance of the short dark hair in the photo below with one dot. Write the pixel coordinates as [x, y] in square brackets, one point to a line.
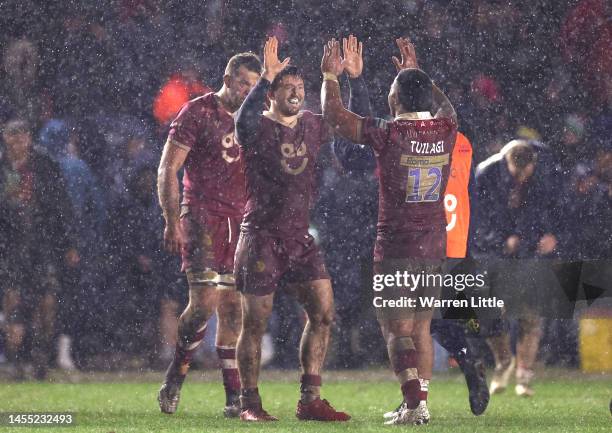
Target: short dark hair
[16, 126]
[415, 90]
[288, 71]
[522, 154]
[249, 60]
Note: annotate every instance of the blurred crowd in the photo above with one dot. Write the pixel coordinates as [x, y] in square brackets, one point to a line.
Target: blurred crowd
[90, 88]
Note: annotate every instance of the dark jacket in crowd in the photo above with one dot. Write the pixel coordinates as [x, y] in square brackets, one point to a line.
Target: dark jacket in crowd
[34, 237]
[495, 221]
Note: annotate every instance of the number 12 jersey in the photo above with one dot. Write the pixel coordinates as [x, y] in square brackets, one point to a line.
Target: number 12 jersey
[414, 157]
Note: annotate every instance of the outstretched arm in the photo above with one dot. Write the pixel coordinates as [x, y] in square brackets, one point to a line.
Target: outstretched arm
[344, 122]
[250, 112]
[354, 156]
[359, 100]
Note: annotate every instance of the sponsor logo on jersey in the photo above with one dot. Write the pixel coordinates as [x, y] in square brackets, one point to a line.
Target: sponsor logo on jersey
[228, 142]
[294, 160]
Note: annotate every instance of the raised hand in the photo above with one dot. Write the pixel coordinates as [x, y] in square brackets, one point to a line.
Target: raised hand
[408, 55]
[332, 61]
[353, 56]
[272, 66]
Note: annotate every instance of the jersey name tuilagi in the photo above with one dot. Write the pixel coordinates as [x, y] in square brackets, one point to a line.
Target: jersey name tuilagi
[414, 157]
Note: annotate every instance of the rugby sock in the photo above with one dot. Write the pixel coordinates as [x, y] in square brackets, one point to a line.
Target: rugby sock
[310, 388]
[183, 354]
[424, 389]
[229, 370]
[403, 357]
[250, 399]
[524, 375]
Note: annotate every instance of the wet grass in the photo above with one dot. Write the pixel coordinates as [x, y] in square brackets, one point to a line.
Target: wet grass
[562, 404]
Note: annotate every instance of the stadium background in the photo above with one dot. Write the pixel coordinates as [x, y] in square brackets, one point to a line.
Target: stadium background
[114, 73]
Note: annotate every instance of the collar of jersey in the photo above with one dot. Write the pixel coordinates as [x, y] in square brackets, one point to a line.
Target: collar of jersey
[419, 115]
[273, 117]
[220, 105]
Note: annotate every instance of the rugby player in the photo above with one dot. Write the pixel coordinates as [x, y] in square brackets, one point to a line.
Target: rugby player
[279, 148]
[457, 337]
[413, 154]
[450, 334]
[204, 227]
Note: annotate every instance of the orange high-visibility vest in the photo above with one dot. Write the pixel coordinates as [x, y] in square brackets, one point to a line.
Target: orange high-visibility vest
[457, 199]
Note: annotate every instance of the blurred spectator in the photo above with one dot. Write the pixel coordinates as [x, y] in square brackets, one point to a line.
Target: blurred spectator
[145, 275]
[84, 67]
[129, 148]
[515, 220]
[90, 213]
[573, 148]
[586, 37]
[22, 94]
[36, 248]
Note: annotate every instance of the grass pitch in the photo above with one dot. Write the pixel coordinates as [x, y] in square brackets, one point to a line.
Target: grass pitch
[564, 402]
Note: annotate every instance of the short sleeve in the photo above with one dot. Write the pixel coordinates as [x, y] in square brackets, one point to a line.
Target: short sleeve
[184, 129]
[376, 132]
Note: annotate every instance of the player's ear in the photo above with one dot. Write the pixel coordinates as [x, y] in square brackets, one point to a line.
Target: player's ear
[227, 80]
[392, 100]
[270, 95]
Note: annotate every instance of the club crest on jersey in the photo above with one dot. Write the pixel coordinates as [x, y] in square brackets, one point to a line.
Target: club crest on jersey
[230, 148]
[293, 159]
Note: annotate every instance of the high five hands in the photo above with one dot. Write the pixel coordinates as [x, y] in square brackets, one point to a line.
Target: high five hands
[352, 63]
[272, 66]
[408, 55]
[353, 56]
[332, 61]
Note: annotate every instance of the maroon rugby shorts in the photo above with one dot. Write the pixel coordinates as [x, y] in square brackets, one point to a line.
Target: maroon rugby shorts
[263, 262]
[210, 241]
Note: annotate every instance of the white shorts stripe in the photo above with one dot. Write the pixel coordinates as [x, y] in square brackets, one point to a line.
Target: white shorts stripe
[194, 345]
[229, 363]
[226, 279]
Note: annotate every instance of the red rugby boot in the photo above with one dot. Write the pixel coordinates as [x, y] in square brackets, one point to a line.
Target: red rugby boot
[256, 414]
[319, 410]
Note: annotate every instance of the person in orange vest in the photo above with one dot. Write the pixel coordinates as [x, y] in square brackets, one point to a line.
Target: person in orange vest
[457, 199]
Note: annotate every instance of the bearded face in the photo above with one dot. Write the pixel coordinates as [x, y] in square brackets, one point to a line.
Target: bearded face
[289, 96]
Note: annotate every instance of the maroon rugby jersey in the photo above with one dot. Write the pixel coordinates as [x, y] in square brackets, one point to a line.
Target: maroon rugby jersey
[214, 174]
[279, 169]
[413, 159]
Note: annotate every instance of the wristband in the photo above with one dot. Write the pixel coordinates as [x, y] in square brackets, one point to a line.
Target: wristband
[329, 76]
